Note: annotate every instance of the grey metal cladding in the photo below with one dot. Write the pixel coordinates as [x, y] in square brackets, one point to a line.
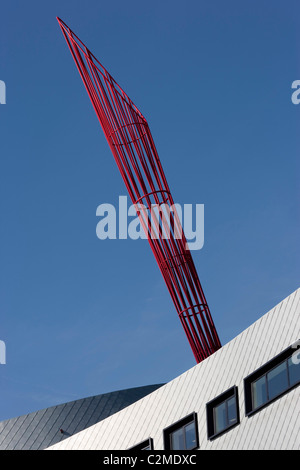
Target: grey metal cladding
[40, 429]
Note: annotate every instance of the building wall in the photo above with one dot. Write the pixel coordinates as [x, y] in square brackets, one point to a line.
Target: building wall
[274, 427]
[42, 428]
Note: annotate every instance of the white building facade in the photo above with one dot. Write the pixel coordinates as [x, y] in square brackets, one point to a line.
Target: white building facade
[243, 397]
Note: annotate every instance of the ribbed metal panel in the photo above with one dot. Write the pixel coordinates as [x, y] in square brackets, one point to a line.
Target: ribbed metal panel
[41, 429]
[274, 427]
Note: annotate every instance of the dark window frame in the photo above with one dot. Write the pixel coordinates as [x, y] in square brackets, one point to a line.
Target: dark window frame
[141, 445]
[263, 371]
[168, 431]
[232, 392]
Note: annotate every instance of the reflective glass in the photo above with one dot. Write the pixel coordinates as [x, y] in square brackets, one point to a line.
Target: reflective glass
[177, 439]
[277, 380]
[294, 370]
[259, 392]
[220, 417]
[190, 436]
[231, 405]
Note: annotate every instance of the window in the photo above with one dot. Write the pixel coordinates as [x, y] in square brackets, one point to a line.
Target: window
[182, 435]
[145, 445]
[222, 413]
[271, 381]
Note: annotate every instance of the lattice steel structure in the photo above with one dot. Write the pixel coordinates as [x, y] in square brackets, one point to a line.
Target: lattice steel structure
[131, 143]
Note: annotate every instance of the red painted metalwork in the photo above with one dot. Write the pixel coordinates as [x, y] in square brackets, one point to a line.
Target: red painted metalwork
[130, 140]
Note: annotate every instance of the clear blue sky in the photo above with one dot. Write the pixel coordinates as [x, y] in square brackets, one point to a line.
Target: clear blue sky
[81, 316]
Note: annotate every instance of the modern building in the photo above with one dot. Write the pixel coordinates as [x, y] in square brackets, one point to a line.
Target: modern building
[43, 428]
[245, 396]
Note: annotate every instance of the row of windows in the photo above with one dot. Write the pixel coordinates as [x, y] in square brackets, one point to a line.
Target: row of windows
[262, 387]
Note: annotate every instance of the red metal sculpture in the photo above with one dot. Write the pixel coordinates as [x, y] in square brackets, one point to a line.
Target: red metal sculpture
[130, 140]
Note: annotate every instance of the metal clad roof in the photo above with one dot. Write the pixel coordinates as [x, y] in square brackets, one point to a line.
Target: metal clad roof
[41, 429]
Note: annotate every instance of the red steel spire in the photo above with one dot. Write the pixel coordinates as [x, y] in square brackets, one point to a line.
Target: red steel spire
[130, 140]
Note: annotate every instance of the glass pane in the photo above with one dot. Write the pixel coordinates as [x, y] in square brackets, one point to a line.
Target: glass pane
[294, 369]
[231, 405]
[177, 440]
[259, 392]
[190, 436]
[220, 417]
[277, 380]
